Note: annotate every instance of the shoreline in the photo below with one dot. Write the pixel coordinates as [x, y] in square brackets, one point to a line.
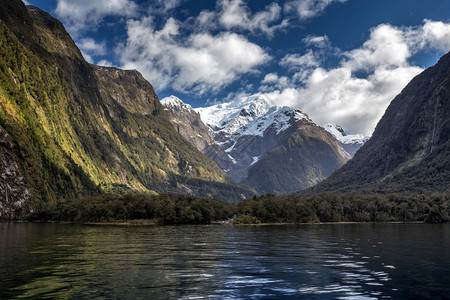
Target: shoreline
[220, 223]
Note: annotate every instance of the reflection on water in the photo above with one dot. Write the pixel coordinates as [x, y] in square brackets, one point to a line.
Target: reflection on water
[345, 261]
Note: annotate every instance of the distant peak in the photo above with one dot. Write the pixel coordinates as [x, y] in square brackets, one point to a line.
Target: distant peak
[175, 103]
[335, 127]
[249, 116]
[339, 133]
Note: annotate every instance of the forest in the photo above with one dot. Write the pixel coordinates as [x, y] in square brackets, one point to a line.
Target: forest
[170, 209]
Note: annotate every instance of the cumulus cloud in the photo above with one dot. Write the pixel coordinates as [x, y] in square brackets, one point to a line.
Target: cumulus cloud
[307, 9]
[386, 48]
[357, 103]
[87, 14]
[235, 14]
[272, 80]
[90, 48]
[435, 35]
[89, 45]
[298, 61]
[200, 62]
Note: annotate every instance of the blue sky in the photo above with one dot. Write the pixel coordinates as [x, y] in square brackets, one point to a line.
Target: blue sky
[340, 61]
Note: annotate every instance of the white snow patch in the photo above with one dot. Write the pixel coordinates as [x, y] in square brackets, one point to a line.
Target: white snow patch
[232, 159]
[339, 133]
[176, 103]
[248, 116]
[255, 160]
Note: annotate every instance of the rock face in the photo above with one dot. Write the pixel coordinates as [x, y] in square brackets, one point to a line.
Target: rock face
[350, 142]
[269, 148]
[188, 123]
[410, 147]
[305, 155]
[71, 129]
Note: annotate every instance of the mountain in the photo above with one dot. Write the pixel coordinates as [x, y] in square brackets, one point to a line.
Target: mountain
[409, 150]
[188, 123]
[350, 142]
[269, 148]
[70, 129]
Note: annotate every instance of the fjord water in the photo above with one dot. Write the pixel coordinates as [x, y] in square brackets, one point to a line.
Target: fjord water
[58, 261]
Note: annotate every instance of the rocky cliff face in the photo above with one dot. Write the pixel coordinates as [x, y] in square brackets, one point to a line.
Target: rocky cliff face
[71, 129]
[305, 154]
[409, 150]
[269, 148]
[188, 123]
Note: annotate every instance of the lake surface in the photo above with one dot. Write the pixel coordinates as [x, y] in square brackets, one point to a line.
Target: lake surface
[347, 261]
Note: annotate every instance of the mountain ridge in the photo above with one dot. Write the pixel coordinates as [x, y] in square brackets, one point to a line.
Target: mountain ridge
[71, 129]
[254, 134]
[408, 150]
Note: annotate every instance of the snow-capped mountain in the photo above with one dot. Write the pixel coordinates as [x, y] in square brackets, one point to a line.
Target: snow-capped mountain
[350, 142]
[267, 147]
[247, 129]
[176, 103]
[247, 117]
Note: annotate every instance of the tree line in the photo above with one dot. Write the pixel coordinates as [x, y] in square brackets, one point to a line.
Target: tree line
[170, 209]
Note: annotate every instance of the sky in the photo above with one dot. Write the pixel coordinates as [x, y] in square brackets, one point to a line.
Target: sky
[339, 61]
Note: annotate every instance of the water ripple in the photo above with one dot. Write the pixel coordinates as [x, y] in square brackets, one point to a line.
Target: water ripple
[51, 261]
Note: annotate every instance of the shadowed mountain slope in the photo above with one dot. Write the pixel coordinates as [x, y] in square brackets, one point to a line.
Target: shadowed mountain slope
[410, 148]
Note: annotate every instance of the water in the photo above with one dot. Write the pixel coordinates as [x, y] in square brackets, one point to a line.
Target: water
[346, 261]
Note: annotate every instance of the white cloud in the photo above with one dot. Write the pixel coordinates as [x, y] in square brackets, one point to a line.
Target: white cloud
[206, 20]
[235, 15]
[83, 14]
[25, 2]
[272, 81]
[386, 48]
[432, 35]
[88, 45]
[317, 41]
[302, 64]
[307, 9]
[105, 63]
[87, 57]
[200, 62]
[298, 62]
[270, 78]
[338, 95]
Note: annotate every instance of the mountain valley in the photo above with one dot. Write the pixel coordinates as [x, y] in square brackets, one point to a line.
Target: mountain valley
[265, 147]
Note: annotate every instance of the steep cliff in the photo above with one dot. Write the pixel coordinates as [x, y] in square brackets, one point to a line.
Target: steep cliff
[410, 148]
[70, 129]
[188, 123]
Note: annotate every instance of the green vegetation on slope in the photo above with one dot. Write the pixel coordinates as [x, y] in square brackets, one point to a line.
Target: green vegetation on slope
[173, 209]
[164, 209]
[70, 129]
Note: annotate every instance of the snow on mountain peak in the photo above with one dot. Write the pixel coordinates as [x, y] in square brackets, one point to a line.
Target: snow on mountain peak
[248, 116]
[176, 103]
[339, 133]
